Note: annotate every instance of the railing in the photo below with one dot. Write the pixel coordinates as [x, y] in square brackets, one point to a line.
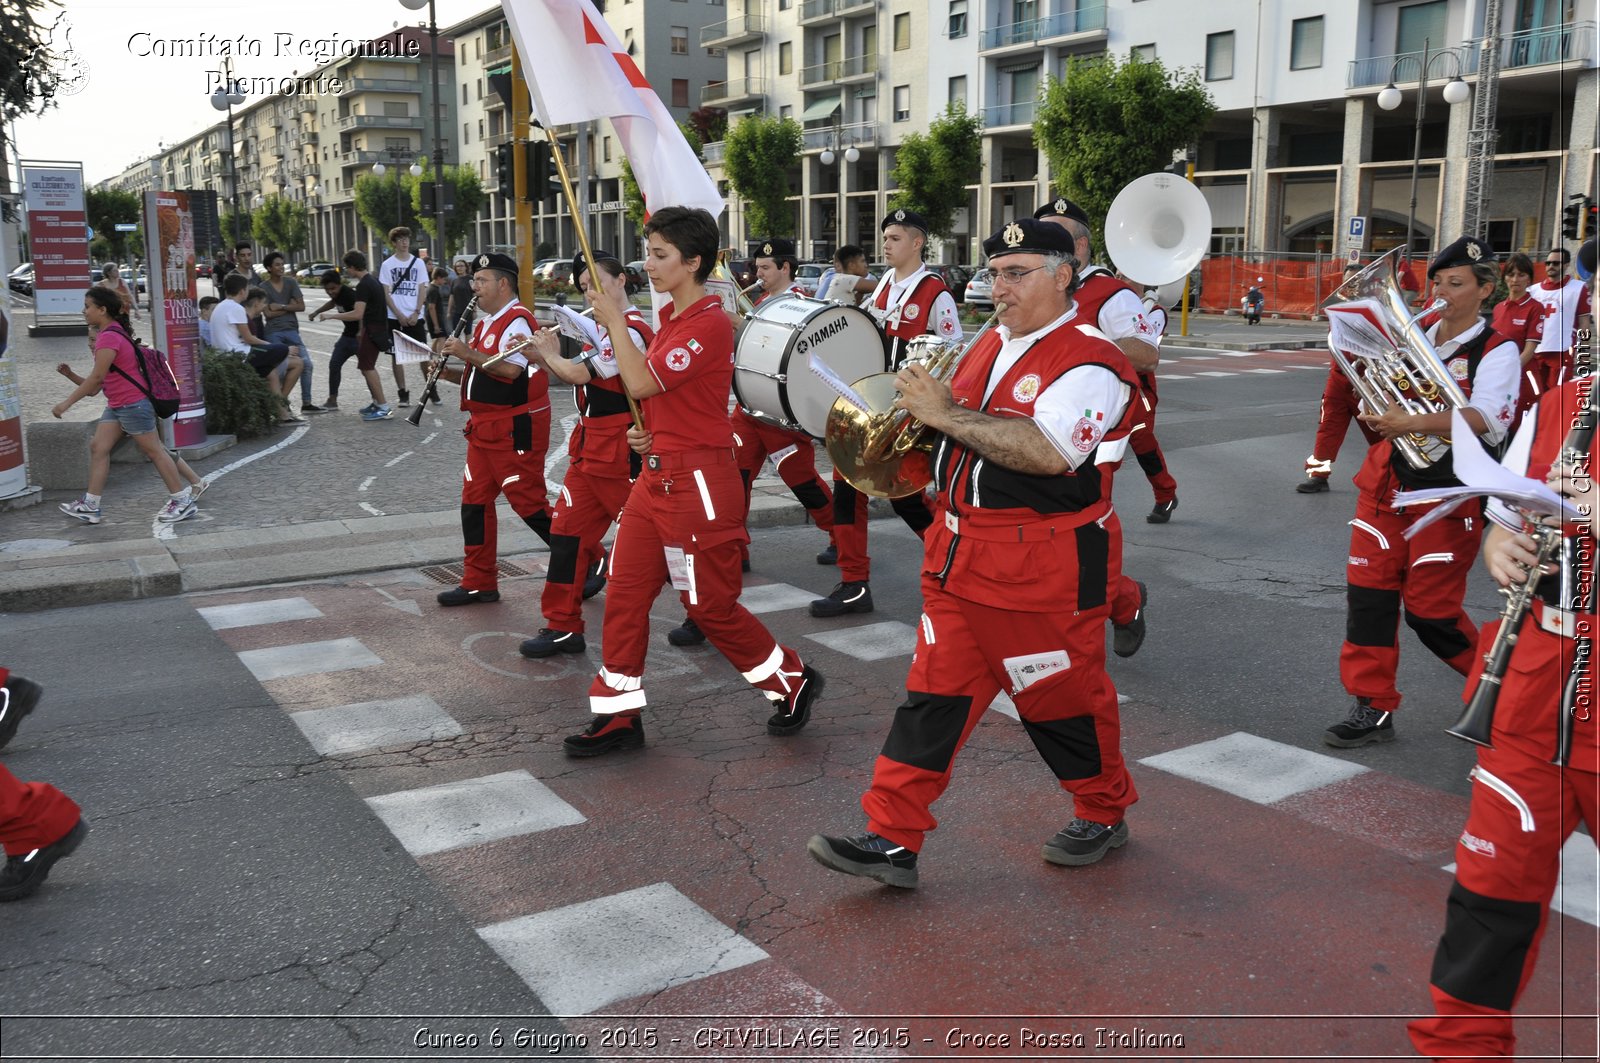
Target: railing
[380, 121]
[1380, 69]
[497, 56]
[736, 28]
[1572, 42]
[1004, 114]
[494, 140]
[736, 89]
[715, 151]
[860, 135]
[385, 85]
[839, 69]
[816, 10]
[1087, 18]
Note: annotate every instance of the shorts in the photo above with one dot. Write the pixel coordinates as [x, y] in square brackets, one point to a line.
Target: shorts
[265, 359]
[136, 419]
[368, 347]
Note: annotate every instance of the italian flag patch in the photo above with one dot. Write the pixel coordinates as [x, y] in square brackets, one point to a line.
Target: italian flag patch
[694, 346]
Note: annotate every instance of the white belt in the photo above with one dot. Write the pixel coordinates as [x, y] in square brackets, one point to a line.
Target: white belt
[1558, 621]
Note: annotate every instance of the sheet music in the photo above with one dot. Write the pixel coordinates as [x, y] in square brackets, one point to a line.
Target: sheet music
[408, 351]
[575, 326]
[1356, 329]
[837, 383]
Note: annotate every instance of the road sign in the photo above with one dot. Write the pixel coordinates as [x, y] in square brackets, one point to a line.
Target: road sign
[126, 227]
[1356, 235]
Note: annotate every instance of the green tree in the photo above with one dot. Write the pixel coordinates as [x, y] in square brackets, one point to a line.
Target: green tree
[757, 156]
[380, 200]
[281, 225]
[106, 209]
[932, 170]
[225, 224]
[34, 58]
[1105, 123]
[463, 187]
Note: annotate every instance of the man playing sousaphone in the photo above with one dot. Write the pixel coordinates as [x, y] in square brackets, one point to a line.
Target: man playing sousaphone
[508, 427]
[1015, 567]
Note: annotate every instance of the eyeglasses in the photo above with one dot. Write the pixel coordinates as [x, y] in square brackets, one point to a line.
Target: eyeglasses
[1014, 276]
[1555, 263]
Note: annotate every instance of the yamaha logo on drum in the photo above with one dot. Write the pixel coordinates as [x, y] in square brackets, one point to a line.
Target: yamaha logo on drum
[837, 325]
[802, 347]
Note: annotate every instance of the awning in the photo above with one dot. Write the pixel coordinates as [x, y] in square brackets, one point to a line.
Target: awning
[823, 108]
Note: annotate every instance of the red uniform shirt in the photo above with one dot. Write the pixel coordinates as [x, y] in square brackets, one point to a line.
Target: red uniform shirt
[692, 360]
[1520, 321]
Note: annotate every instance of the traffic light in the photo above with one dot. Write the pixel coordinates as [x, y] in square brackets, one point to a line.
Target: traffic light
[539, 169]
[1591, 214]
[1572, 216]
[505, 165]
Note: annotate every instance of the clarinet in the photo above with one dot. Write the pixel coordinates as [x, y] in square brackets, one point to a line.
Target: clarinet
[414, 418]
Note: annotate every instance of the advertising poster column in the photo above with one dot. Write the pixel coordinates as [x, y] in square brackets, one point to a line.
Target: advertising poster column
[13, 467]
[58, 238]
[169, 246]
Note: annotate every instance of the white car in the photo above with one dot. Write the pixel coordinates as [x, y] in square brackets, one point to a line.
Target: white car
[806, 276]
[980, 289]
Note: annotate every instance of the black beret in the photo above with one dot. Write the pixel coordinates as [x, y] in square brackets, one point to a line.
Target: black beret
[1586, 261]
[1467, 251]
[909, 218]
[581, 264]
[777, 247]
[1028, 236]
[495, 260]
[1062, 207]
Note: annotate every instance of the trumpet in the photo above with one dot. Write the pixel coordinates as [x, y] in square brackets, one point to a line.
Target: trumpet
[414, 418]
[883, 451]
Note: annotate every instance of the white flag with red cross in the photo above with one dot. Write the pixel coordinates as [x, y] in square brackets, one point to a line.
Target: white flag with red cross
[577, 71]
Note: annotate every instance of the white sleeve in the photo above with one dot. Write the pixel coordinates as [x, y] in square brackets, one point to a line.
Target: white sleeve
[1516, 460]
[1122, 317]
[603, 366]
[1494, 390]
[1077, 408]
[946, 320]
[518, 329]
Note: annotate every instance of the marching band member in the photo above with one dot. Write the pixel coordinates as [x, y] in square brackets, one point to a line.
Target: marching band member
[1015, 566]
[682, 520]
[1524, 807]
[1427, 573]
[793, 453]
[1519, 317]
[508, 427]
[1117, 309]
[1566, 310]
[908, 302]
[600, 467]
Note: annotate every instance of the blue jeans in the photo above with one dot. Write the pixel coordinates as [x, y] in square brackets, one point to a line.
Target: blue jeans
[344, 349]
[291, 338]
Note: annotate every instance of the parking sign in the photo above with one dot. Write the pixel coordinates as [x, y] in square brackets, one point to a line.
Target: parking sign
[1357, 234]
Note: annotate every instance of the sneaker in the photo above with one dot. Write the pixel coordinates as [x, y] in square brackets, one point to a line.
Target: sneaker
[594, 581]
[1127, 638]
[462, 596]
[330, 403]
[378, 413]
[311, 407]
[17, 699]
[1312, 485]
[830, 556]
[82, 510]
[1162, 513]
[176, 510]
[368, 408]
[847, 597]
[1084, 841]
[624, 730]
[405, 399]
[1363, 726]
[550, 642]
[196, 490]
[687, 633]
[433, 395]
[291, 418]
[23, 875]
[869, 856]
[797, 707]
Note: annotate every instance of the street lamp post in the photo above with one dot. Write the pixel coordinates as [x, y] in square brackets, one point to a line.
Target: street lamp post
[380, 169]
[1455, 91]
[438, 138]
[223, 100]
[827, 158]
[320, 240]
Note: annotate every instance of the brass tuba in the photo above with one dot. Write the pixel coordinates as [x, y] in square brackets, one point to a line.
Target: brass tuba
[1377, 341]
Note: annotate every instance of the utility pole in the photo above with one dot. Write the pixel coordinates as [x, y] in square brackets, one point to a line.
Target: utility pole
[522, 231]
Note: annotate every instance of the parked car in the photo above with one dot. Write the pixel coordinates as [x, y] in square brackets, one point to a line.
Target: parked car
[554, 270]
[806, 275]
[638, 280]
[314, 271]
[955, 278]
[21, 279]
[743, 270]
[980, 290]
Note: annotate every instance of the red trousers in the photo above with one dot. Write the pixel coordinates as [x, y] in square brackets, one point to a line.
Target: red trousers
[960, 665]
[585, 508]
[1147, 450]
[850, 526]
[1427, 574]
[691, 505]
[489, 473]
[1340, 405]
[32, 814]
[793, 454]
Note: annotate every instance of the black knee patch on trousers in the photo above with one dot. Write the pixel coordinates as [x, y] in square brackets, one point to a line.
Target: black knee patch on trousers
[744, 474]
[563, 559]
[1070, 747]
[913, 509]
[926, 729]
[1484, 948]
[472, 524]
[1372, 617]
[1094, 561]
[540, 522]
[1150, 461]
[810, 494]
[1443, 637]
[844, 503]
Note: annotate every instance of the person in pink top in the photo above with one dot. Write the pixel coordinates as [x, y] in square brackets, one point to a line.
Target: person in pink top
[128, 411]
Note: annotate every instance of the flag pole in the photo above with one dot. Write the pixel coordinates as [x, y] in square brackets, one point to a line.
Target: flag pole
[579, 227]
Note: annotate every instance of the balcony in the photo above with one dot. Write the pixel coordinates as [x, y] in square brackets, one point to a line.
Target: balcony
[367, 158]
[840, 70]
[728, 93]
[860, 135]
[1568, 44]
[1002, 115]
[714, 152]
[497, 57]
[1088, 21]
[821, 10]
[1379, 70]
[384, 85]
[737, 30]
[380, 121]
[494, 140]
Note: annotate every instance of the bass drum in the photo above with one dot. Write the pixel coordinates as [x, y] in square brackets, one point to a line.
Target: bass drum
[772, 376]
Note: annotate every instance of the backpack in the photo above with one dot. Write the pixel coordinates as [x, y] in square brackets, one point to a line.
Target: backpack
[160, 382]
